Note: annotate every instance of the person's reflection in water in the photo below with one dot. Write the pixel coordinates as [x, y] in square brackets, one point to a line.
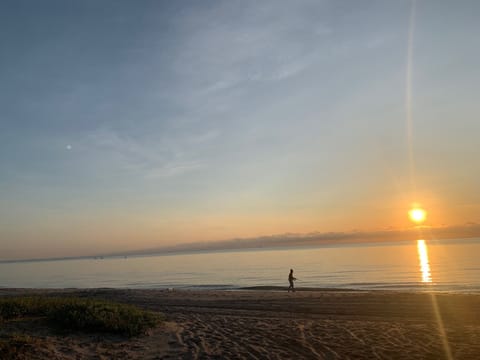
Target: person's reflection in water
[291, 279]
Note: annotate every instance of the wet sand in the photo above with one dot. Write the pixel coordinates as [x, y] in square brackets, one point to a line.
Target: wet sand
[261, 324]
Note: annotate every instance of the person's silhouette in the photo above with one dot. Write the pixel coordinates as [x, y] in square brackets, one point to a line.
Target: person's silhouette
[291, 279]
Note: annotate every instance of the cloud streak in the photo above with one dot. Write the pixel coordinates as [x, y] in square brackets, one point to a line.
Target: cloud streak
[466, 231]
[150, 157]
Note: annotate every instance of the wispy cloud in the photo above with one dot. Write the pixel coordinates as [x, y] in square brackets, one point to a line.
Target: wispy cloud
[236, 45]
[173, 169]
[152, 156]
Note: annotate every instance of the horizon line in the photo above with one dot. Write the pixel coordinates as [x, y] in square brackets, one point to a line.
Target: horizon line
[287, 240]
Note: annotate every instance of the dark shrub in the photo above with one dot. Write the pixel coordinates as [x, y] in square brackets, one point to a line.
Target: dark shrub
[102, 316]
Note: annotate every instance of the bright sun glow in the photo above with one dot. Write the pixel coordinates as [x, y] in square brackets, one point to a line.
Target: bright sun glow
[417, 215]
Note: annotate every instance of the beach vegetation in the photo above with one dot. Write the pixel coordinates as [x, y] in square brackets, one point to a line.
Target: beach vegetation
[70, 313]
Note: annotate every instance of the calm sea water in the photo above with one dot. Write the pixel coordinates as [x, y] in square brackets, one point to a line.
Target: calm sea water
[434, 265]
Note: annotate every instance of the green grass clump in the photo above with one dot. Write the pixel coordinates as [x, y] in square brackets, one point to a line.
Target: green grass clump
[103, 317]
[11, 308]
[81, 314]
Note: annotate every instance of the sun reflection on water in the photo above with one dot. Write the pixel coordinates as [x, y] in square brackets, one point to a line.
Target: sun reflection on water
[424, 264]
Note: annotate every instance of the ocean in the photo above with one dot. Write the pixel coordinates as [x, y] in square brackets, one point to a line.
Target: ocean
[437, 265]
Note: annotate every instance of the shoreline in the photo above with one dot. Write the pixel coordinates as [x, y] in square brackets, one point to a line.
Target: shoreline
[258, 288]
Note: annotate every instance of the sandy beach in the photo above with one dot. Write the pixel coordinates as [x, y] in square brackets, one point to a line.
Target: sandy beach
[272, 324]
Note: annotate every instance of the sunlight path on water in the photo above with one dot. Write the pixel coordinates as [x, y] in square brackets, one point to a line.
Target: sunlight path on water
[424, 263]
[422, 248]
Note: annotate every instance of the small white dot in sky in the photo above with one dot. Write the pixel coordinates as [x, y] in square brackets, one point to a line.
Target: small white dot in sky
[69, 147]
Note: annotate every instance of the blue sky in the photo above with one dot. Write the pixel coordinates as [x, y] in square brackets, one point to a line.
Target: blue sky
[127, 124]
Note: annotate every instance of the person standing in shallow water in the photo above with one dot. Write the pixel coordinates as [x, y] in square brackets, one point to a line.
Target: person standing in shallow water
[291, 279]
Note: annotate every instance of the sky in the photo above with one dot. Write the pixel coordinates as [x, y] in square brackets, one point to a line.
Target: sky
[136, 124]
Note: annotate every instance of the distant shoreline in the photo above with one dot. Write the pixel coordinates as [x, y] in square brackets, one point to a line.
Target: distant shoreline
[174, 252]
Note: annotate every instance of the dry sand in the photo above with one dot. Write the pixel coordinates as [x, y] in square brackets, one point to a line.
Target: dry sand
[263, 324]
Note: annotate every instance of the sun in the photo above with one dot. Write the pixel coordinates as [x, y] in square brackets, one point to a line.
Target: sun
[417, 215]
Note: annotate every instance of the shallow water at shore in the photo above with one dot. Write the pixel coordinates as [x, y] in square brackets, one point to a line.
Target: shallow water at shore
[449, 266]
